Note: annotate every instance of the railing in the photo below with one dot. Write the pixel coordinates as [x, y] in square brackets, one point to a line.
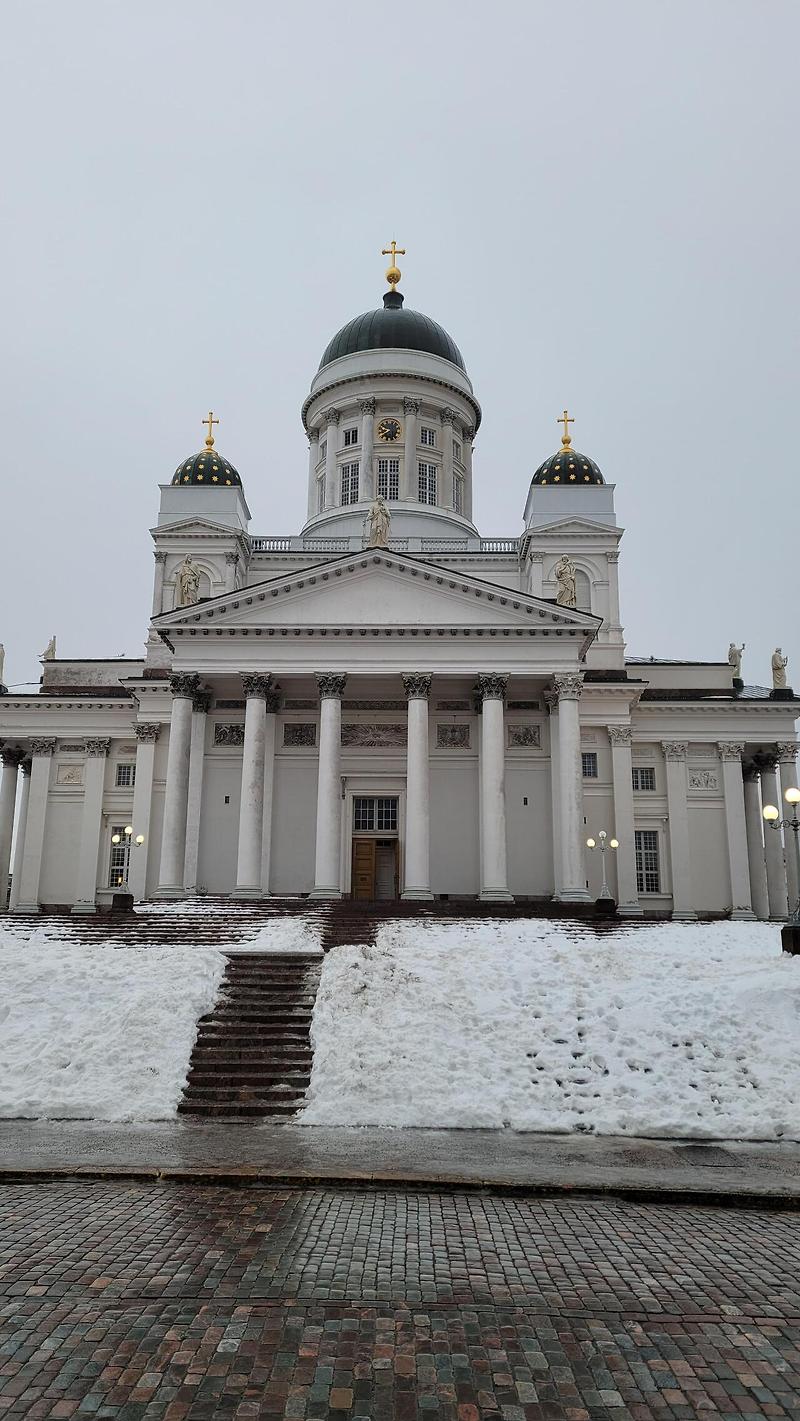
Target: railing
[499, 545]
[444, 545]
[272, 545]
[326, 545]
[355, 544]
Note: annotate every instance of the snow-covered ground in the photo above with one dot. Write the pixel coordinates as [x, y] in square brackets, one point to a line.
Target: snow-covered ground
[668, 1029]
[98, 1033]
[281, 934]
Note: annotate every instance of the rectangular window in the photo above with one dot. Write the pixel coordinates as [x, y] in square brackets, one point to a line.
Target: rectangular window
[120, 858]
[323, 448]
[458, 494]
[648, 874]
[589, 764]
[349, 483]
[350, 437]
[375, 814]
[125, 776]
[427, 483]
[389, 478]
[644, 777]
[321, 494]
[427, 437]
[456, 451]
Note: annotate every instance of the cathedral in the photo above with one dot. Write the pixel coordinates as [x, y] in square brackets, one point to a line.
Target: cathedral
[389, 705]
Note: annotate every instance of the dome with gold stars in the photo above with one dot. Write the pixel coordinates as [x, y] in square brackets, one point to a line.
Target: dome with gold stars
[209, 466]
[567, 466]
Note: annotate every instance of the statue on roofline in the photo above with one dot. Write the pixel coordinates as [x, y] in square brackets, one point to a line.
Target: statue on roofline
[735, 659]
[779, 664]
[565, 577]
[49, 653]
[378, 521]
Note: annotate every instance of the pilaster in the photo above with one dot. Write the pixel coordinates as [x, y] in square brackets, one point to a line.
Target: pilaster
[197, 754]
[741, 902]
[147, 733]
[409, 487]
[91, 821]
[417, 687]
[628, 905]
[331, 450]
[176, 798]
[678, 810]
[787, 765]
[773, 843]
[568, 688]
[367, 487]
[494, 850]
[755, 843]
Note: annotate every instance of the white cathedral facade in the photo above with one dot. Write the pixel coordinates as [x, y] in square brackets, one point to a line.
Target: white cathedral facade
[388, 704]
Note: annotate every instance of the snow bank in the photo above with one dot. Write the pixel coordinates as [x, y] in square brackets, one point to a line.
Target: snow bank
[98, 1033]
[668, 1030]
[288, 932]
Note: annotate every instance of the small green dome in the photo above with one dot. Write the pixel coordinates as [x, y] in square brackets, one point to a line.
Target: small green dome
[207, 467]
[392, 328]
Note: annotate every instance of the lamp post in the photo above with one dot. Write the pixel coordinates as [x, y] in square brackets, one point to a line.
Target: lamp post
[603, 845]
[772, 816]
[127, 837]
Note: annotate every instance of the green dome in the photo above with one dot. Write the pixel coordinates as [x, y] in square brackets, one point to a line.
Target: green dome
[392, 328]
[207, 467]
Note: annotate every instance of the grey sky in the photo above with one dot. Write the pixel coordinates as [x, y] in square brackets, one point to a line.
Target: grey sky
[599, 202]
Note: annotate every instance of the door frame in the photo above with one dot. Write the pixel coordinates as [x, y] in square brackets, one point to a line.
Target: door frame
[353, 787]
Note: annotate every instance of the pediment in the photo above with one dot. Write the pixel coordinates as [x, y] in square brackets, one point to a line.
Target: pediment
[578, 527]
[377, 589]
[194, 528]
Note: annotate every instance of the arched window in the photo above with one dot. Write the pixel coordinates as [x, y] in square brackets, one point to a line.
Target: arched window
[583, 591]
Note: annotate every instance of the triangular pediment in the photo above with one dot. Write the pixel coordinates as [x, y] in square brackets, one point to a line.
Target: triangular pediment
[579, 526]
[376, 589]
[195, 527]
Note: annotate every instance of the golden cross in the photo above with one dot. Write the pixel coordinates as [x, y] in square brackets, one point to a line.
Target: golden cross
[210, 436]
[393, 251]
[566, 420]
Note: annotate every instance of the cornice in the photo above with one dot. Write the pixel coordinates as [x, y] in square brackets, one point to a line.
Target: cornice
[370, 376]
[51, 703]
[376, 629]
[718, 707]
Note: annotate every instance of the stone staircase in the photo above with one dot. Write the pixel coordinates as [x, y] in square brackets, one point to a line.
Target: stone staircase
[252, 1056]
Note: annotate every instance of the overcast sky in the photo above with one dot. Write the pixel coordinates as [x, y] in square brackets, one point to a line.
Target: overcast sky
[600, 204]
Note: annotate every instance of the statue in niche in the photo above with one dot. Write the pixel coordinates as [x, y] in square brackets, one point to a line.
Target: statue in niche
[49, 653]
[378, 521]
[779, 664]
[735, 659]
[187, 583]
[565, 577]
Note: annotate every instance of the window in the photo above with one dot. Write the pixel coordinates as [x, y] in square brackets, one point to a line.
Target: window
[120, 857]
[375, 814]
[321, 494]
[458, 494]
[427, 483]
[389, 478]
[350, 437]
[323, 448]
[126, 776]
[644, 777]
[589, 764]
[648, 875]
[456, 451]
[349, 483]
[427, 437]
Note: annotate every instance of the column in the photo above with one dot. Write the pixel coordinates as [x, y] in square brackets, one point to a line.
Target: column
[446, 495]
[146, 735]
[536, 570]
[741, 902]
[173, 837]
[197, 755]
[327, 872]
[91, 820]
[551, 701]
[251, 806]
[469, 435]
[773, 844]
[678, 812]
[418, 814]
[313, 461]
[31, 861]
[158, 582]
[22, 824]
[613, 588]
[272, 705]
[367, 486]
[570, 787]
[231, 564]
[494, 870]
[753, 824]
[332, 437]
[628, 905]
[12, 759]
[409, 479]
[787, 751]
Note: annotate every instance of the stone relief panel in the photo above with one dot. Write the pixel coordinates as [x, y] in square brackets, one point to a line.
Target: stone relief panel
[301, 733]
[69, 775]
[229, 734]
[358, 735]
[703, 779]
[453, 705]
[523, 736]
[452, 737]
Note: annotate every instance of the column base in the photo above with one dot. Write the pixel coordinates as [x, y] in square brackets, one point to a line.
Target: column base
[26, 908]
[684, 915]
[742, 915]
[247, 893]
[630, 910]
[176, 890]
[325, 893]
[495, 895]
[417, 895]
[81, 908]
[573, 895]
[774, 917]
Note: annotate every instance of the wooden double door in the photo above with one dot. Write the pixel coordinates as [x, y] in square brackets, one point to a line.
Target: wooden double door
[375, 869]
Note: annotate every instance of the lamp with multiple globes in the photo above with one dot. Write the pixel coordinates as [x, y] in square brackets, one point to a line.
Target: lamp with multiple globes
[603, 845]
[772, 815]
[132, 841]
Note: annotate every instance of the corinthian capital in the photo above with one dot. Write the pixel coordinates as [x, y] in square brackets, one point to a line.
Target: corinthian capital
[675, 749]
[787, 752]
[417, 686]
[331, 686]
[448, 416]
[568, 686]
[619, 734]
[410, 406]
[331, 416]
[183, 684]
[730, 749]
[97, 747]
[367, 405]
[44, 745]
[492, 687]
[148, 730]
[256, 687]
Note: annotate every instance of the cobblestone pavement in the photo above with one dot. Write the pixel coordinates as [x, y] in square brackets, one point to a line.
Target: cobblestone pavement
[136, 1301]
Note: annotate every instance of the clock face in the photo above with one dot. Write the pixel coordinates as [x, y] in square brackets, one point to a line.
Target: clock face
[389, 430]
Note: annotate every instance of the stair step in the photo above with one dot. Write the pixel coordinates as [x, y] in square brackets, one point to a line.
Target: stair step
[267, 1081]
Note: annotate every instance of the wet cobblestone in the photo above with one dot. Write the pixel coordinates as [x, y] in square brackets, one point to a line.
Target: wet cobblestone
[136, 1302]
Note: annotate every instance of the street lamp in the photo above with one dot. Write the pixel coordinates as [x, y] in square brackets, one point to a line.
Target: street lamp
[604, 844]
[128, 837]
[773, 817]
